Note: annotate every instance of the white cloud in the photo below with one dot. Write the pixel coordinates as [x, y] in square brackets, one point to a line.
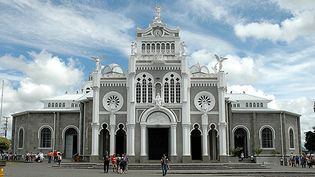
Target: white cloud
[63, 28]
[302, 24]
[198, 41]
[42, 75]
[239, 70]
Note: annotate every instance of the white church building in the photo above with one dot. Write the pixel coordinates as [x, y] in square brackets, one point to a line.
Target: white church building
[159, 106]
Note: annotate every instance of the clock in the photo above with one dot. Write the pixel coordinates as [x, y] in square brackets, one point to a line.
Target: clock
[157, 32]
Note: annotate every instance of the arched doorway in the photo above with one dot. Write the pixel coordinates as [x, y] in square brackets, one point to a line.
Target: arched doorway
[195, 138]
[240, 140]
[120, 140]
[71, 143]
[104, 141]
[213, 143]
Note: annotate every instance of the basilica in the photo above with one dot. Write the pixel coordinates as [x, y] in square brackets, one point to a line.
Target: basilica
[159, 106]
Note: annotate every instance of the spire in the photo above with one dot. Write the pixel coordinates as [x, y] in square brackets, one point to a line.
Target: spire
[157, 11]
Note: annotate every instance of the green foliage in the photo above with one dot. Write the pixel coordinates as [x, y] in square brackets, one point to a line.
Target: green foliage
[4, 144]
[236, 152]
[257, 151]
[310, 141]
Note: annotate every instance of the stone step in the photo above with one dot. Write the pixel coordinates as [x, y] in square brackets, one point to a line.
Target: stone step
[177, 166]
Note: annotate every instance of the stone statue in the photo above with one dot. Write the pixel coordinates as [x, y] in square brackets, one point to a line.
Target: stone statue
[157, 17]
[219, 62]
[97, 63]
[133, 48]
[158, 100]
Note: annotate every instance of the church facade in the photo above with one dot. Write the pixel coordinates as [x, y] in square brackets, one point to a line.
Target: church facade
[160, 106]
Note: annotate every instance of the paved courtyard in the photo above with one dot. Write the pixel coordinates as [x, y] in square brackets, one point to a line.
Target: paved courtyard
[15, 169]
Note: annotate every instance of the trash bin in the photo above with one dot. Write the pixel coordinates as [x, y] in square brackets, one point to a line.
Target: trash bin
[2, 164]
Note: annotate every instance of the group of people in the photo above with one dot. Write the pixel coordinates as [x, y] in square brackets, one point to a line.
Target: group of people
[119, 163]
[55, 155]
[303, 160]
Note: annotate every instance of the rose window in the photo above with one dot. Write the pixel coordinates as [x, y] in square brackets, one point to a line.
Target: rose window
[112, 101]
[204, 101]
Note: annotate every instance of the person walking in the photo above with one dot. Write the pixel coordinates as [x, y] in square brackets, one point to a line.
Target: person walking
[59, 158]
[106, 163]
[164, 164]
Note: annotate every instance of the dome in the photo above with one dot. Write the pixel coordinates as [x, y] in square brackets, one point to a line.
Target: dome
[199, 69]
[112, 68]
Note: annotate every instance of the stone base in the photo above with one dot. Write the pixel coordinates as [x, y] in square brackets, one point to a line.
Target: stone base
[186, 159]
[173, 159]
[224, 158]
[132, 159]
[205, 159]
[95, 158]
[143, 159]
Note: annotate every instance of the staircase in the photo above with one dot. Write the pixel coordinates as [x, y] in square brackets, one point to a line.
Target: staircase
[177, 166]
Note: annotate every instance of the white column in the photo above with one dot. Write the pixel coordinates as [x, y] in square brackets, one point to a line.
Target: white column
[173, 140]
[222, 118]
[95, 122]
[204, 140]
[204, 124]
[130, 139]
[112, 139]
[95, 129]
[186, 140]
[143, 140]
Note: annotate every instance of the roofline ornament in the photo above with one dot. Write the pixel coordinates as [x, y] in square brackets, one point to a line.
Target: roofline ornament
[157, 11]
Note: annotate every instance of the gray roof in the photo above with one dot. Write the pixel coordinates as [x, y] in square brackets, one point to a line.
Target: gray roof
[244, 97]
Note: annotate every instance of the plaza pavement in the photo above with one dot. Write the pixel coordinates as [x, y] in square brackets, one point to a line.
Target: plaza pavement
[18, 169]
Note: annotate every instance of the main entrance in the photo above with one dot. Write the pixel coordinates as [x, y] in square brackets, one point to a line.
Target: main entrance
[71, 142]
[158, 142]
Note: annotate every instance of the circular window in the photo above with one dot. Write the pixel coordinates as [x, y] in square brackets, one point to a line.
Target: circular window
[113, 101]
[204, 101]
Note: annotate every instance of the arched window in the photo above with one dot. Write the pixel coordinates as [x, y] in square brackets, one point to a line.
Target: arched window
[266, 138]
[45, 138]
[63, 104]
[153, 48]
[166, 92]
[158, 49]
[138, 92]
[60, 105]
[49, 105]
[52, 105]
[143, 48]
[150, 92]
[291, 138]
[21, 138]
[163, 47]
[177, 92]
[148, 48]
[261, 105]
[144, 91]
[172, 88]
[173, 48]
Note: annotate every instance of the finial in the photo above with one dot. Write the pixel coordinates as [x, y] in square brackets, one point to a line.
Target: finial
[157, 11]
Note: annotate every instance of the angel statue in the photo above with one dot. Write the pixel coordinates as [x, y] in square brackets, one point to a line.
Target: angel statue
[219, 62]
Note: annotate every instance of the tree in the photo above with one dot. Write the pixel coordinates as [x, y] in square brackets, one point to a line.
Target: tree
[310, 141]
[4, 144]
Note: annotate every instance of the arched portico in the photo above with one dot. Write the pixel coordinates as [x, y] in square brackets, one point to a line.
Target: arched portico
[158, 124]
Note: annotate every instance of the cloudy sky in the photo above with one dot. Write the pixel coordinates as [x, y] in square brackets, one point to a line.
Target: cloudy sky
[46, 45]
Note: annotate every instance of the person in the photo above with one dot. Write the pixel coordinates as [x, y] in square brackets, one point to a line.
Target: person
[55, 155]
[106, 163]
[114, 162]
[59, 158]
[164, 164]
[242, 156]
[49, 154]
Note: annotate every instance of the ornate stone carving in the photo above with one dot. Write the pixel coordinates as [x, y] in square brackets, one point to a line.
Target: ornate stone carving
[204, 101]
[113, 101]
